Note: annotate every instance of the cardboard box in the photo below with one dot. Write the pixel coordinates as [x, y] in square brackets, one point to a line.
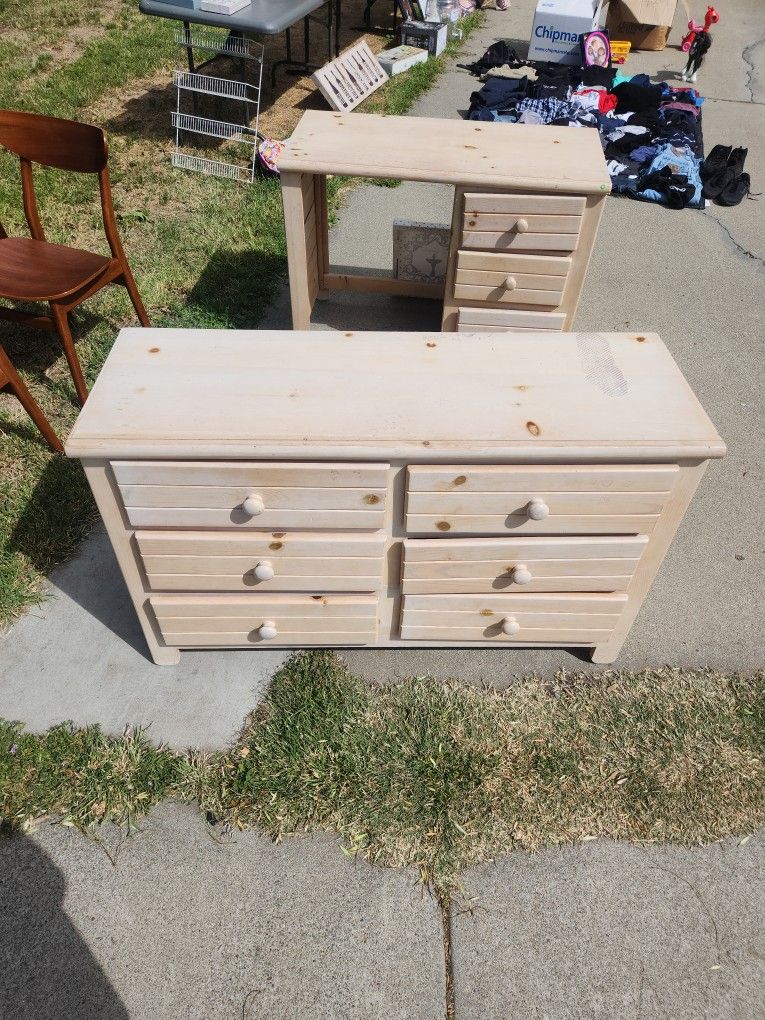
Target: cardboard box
[425, 34]
[401, 58]
[644, 23]
[557, 27]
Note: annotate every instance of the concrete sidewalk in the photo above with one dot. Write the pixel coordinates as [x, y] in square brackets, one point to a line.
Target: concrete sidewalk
[182, 926]
[696, 278]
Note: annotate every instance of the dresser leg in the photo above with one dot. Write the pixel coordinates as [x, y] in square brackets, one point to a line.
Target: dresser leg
[109, 502]
[164, 656]
[606, 653]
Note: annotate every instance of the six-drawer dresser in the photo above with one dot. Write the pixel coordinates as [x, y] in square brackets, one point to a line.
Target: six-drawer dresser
[292, 489]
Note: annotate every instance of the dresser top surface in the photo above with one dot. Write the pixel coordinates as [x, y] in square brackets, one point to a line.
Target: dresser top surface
[538, 158]
[423, 397]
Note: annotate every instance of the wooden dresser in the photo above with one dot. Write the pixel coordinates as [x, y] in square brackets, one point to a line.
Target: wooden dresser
[527, 204]
[292, 489]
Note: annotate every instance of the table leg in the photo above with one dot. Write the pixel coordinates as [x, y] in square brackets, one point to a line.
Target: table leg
[189, 48]
[302, 263]
[338, 25]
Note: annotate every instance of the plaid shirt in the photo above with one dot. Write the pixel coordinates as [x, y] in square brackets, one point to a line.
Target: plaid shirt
[549, 109]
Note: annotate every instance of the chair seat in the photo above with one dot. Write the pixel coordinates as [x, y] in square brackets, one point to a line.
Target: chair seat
[38, 271]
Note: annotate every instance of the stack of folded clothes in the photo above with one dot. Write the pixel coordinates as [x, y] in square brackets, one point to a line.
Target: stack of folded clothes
[650, 131]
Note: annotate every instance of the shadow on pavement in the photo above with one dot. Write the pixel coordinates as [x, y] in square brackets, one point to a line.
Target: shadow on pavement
[46, 969]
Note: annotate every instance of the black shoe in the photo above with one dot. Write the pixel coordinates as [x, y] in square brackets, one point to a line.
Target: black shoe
[736, 161]
[716, 160]
[736, 190]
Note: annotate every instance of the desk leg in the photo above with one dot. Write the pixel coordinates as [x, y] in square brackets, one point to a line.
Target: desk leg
[451, 305]
[300, 229]
[322, 233]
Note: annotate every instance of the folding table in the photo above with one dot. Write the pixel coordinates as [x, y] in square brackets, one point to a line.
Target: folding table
[261, 17]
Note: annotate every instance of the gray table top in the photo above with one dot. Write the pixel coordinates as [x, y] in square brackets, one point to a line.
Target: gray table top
[267, 17]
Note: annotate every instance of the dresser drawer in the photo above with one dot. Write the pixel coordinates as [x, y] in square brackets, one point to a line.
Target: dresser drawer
[562, 619]
[189, 621]
[503, 320]
[278, 561]
[484, 565]
[265, 496]
[536, 500]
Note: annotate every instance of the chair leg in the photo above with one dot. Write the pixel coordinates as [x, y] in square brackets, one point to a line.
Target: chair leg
[61, 320]
[16, 385]
[135, 297]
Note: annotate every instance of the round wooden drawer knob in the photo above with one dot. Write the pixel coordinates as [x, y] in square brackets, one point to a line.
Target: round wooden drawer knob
[521, 226]
[264, 571]
[253, 505]
[522, 574]
[537, 510]
[510, 283]
[267, 630]
[510, 626]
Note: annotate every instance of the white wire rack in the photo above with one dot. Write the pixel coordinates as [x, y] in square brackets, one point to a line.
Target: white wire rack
[212, 167]
[224, 88]
[196, 84]
[230, 45]
[213, 128]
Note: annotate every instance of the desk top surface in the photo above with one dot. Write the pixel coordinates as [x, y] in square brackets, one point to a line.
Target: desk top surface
[267, 16]
[421, 397]
[540, 158]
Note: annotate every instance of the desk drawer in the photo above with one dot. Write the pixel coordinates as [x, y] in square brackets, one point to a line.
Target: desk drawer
[507, 618]
[546, 500]
[484, 565]
[523, 222]
[278, 561]
[516, 239]
[216, 621]
[479, 203]
[502, 320]
[554, 267]
[505, 290]
[257, 495]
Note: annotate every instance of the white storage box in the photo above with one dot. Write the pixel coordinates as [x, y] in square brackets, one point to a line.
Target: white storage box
[223, 6]
[401, 58]
[557, 27]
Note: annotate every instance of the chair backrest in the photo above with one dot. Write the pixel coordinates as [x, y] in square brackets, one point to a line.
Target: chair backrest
[63, 145]
[49, 141]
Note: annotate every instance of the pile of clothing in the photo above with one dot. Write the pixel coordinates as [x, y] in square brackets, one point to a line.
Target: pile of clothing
[650, 131]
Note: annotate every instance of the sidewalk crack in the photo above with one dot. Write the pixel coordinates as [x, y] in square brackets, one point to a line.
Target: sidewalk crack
[746, 56]
[739, 247]
[444, 906]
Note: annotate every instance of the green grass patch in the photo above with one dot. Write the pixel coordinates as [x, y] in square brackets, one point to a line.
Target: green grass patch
[81, 775]
[205, 252]
[434, 776]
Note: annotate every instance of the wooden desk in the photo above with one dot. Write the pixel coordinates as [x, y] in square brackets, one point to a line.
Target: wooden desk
[389, 489]
[527, 205]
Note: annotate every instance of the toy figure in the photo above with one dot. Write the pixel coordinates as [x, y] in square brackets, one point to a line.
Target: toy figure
[699, 48]
[711, 18]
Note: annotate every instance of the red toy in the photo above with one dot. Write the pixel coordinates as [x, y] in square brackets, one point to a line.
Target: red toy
[711, 18]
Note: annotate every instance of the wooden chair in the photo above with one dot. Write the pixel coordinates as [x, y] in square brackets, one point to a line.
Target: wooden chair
[31, 269]
[10, 379]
